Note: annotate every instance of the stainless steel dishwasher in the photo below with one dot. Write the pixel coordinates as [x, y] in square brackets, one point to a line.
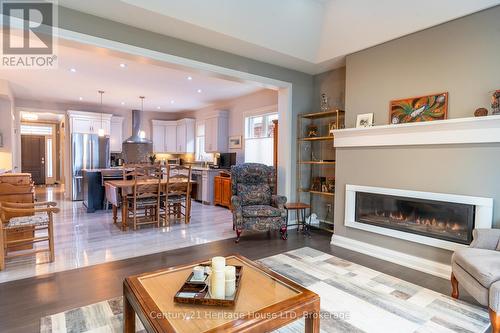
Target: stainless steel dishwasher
[197, 176]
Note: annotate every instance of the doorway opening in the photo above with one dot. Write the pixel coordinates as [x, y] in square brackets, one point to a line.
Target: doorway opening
[41, 152]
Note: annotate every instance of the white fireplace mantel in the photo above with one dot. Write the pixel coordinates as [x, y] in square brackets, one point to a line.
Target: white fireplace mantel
[450, 131]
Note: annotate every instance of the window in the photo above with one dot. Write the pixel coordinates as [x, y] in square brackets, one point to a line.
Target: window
[259, 132]
[36, 129]
[200, 145]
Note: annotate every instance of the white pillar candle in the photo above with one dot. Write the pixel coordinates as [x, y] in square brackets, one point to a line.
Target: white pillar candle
[230, 287]
[217, 285]
[218, 263]
[230, 272]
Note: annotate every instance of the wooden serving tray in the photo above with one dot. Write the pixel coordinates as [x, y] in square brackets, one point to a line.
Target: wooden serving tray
[200, 294]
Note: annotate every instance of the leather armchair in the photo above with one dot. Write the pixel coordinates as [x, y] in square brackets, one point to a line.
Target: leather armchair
[254, 206]
[477, 270]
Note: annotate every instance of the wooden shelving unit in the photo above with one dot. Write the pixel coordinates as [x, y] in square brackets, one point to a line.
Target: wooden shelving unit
[316, 160]
[317, 138]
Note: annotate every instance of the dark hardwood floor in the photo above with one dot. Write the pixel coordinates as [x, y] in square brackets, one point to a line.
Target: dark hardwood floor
[24, 302]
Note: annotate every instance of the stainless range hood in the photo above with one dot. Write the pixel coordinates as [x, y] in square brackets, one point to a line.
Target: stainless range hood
[136, 148]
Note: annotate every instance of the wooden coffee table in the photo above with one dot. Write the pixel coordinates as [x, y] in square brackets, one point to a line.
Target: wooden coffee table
[266, 301]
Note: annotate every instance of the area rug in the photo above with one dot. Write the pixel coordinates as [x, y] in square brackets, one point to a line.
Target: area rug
[354, 298]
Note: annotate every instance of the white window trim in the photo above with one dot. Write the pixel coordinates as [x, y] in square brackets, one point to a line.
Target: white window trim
[262, 111]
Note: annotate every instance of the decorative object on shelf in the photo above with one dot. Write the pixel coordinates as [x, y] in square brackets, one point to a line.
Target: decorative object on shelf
[328, 211]
[235, 142]
[332, 126]
[316, 184]
[481, 112]
[312, 131]
[330, 184]
[417, 109]
[324, 104]
[364, 120]
[495, 102]
[312, 220]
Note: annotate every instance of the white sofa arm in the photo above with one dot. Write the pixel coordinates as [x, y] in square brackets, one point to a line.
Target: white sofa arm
[485, 238]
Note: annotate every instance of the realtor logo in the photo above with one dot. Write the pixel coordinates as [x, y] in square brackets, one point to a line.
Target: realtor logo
[29, 36]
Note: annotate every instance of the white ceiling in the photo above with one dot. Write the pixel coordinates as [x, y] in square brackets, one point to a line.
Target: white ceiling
[98, 69]
[307, 35]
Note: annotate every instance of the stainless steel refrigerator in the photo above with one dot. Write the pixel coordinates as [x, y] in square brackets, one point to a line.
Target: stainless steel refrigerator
[88, 151]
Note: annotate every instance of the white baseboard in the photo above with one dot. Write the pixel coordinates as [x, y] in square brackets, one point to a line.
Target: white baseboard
[403, 259]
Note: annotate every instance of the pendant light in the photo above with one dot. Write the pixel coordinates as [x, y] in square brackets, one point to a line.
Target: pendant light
[142, 133]
[100, 132]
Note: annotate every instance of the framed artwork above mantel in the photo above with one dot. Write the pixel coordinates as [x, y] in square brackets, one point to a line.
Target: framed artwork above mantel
[419, 109]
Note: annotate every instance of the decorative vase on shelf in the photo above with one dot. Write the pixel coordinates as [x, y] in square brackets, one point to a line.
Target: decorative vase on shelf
[495, 102]
[324, 105]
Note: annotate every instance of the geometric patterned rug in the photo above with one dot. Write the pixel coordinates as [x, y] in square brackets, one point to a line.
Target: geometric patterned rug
[354, 298]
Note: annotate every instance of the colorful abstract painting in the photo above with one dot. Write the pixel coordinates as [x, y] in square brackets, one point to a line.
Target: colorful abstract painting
[417, 109]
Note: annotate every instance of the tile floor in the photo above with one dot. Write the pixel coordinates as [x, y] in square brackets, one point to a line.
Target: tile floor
[83, 239]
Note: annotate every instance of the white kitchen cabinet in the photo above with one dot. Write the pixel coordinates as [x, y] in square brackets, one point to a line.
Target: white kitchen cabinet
[116, 134]
[185, 136]
[81, 125]
[158, 138]
[174, 137]
[89, 122]
[171, 138]
[104, 124]
[216, 133]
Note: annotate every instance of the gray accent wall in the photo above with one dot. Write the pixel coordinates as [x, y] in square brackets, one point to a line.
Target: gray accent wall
[461, 57]
[302, 84]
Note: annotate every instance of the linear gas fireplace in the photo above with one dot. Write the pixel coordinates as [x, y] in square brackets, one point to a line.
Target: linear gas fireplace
[442, 220]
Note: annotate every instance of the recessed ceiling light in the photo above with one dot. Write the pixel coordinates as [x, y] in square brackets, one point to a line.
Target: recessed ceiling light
[80, 98]
[189, 78]
[123, 65]
[158, 107]
[172, 102]
[122, 103]
[72, 70]
[199, 91]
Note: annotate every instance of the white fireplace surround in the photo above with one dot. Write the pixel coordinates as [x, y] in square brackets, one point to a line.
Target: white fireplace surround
[450, 131]
[483, 213]
[480, 130]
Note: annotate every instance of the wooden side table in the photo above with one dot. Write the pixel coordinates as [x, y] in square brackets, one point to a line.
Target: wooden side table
[300, 215]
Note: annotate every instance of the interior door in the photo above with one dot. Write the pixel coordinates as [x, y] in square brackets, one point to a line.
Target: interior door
[33, 157]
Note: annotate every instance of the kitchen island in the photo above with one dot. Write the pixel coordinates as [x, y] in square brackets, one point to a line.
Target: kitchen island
[93, 186]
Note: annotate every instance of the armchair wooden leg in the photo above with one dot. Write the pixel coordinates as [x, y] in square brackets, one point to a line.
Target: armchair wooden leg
[495, 321]
[2, 249]
[238, 234]
[454, 286]
[50, 230]
[284, 233]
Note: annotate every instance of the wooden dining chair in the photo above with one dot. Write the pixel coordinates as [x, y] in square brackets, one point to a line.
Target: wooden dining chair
[16, 217]
[143, 204]
[177, 194]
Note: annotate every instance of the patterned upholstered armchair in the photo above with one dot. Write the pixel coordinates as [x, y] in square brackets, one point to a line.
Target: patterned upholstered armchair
[254, 205]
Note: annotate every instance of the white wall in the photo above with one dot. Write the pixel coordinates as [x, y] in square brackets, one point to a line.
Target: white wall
[8, 158]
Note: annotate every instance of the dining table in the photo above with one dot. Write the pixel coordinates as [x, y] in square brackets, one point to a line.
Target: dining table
[118, 190]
